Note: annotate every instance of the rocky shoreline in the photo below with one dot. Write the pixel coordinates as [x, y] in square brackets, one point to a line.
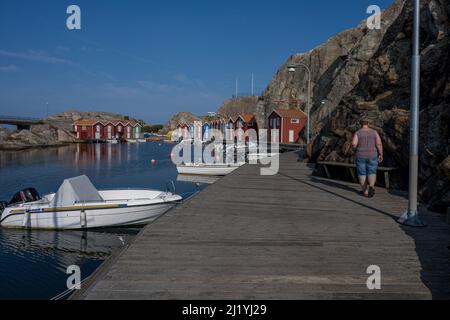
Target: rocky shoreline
[54, 131]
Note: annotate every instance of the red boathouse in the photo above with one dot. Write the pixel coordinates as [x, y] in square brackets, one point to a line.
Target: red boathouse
[290, 124]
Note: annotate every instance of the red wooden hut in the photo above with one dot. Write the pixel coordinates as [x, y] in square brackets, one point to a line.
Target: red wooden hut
[290, 124]
[89, 130]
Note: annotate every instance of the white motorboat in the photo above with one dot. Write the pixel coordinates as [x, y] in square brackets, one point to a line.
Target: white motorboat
[79, 205]
[262, 155]
[197, 179]
[215, 169]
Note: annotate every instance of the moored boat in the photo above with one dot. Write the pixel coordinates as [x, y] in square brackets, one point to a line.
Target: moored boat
[79, 205]
[216, 169]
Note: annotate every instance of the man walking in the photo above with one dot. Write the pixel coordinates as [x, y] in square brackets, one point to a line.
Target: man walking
[369, 152]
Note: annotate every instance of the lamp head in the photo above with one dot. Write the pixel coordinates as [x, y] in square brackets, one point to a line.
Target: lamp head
[292, 68]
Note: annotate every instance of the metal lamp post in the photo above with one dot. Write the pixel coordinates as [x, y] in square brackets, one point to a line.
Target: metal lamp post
[292, 68]
[411, 216]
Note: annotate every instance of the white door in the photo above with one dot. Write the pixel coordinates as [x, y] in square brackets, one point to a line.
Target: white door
[128, 132]
[291, 136]
[97, 132]
[137, 133]
[109, 132]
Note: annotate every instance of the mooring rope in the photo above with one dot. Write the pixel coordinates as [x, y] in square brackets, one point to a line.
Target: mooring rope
[67, 291]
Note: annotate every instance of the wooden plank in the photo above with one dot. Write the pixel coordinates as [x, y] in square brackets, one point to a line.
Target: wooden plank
[287, 236]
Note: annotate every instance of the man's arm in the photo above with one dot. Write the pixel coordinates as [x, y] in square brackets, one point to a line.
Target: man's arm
[355, 141]
[379, 145]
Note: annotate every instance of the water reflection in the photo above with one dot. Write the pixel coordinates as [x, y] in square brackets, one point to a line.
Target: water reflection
[33, 264]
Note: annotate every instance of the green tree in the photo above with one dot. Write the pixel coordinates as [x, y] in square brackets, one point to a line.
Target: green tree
[155, 128]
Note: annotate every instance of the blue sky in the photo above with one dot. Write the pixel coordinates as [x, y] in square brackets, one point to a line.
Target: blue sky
[151, 59]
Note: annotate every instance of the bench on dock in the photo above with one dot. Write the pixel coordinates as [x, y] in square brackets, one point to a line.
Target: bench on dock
[352, 169]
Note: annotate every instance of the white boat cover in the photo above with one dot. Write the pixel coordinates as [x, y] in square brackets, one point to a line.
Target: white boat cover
[75, 190]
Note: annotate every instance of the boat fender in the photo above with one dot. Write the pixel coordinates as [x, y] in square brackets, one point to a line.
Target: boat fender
[83, 219]
[26, 219]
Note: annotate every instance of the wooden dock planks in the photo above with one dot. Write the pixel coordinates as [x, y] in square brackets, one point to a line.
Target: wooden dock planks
[288, 236]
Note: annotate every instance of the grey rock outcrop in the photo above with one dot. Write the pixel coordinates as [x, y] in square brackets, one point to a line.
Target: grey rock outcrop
[54, 131]
[181, 117]
[236, 106]
[366, 73]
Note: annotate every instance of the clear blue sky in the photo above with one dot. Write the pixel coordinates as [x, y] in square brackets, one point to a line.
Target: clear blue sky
[150, 59]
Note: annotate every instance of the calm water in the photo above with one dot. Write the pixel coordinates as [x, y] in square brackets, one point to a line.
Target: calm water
[33, 263]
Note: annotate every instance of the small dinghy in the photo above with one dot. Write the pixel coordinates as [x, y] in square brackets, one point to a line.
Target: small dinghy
[79, 205]
[215, 169]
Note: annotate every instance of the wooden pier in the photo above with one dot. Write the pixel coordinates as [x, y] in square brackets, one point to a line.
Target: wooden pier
[288, 236]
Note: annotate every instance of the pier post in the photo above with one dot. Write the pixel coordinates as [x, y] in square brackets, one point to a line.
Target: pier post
[411, 216]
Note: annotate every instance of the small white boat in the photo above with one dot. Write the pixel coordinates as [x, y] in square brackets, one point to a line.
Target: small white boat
[216, 169]
[258, 156]
[79, 205]
[197, 179]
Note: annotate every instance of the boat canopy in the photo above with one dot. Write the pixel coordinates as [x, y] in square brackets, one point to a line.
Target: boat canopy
[76, 190]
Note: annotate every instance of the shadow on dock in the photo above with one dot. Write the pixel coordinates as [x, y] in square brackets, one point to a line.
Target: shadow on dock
[433, 250]
[432, 244]
[334, 184]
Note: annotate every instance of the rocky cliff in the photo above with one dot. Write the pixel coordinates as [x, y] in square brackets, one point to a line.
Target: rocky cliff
[236, 106]
[366, 73]
[181, 117]
[54, 131]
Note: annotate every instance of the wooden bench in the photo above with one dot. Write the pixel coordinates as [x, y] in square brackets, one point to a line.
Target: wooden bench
[352, 169]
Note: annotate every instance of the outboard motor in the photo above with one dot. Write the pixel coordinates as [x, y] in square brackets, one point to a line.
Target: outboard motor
[24, 196]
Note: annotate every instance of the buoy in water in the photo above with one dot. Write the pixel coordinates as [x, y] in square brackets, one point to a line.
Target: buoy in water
[153, 161]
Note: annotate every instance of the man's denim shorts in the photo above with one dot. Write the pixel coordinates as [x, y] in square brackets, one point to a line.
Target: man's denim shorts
[366, 167]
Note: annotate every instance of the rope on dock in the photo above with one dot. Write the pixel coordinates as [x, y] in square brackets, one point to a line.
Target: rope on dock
[67, 291]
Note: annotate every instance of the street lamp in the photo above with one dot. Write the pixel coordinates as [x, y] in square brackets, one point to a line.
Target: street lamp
[292, 69]
[411, 216]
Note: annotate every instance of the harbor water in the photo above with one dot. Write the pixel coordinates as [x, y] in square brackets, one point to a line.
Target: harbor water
[33, 264]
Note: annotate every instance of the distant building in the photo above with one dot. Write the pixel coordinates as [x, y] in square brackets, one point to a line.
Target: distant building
[245, 122]
[198, 131]
[108, 130]
[206, 131]
[230, 129]
[191, 131]
[88, 129]
[290, 124]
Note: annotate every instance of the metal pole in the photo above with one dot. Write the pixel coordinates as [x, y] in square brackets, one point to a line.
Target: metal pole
[308, 124]
[411, 216]
[308, 130]
[252, 84]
